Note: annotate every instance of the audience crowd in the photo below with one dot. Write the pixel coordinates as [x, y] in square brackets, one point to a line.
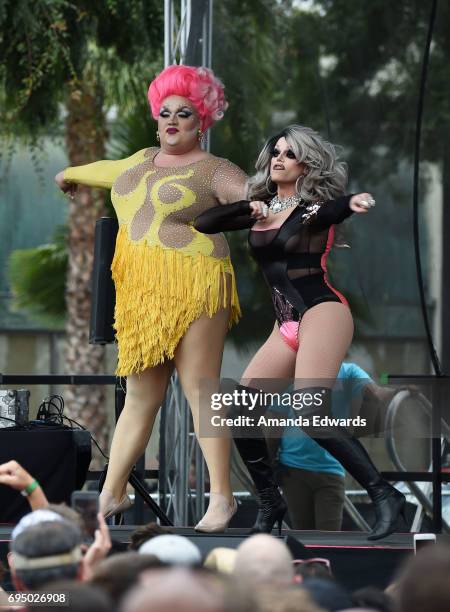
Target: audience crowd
[50, 554]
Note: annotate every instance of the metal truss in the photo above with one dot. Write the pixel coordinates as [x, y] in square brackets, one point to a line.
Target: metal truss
[181, 462]
[188, 32]
[187, 40]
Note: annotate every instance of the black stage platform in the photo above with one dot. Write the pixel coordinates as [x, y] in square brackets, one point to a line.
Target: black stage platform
[356, 562]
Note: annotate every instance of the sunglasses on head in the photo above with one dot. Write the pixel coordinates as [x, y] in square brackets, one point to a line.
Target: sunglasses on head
[320, 560]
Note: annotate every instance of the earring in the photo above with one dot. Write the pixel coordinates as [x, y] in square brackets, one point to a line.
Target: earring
[157, 136]
[267, 187]
[200, 135]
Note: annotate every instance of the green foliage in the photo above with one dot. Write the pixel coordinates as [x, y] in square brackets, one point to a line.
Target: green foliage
[246, 58]
[373, 80]
[37, 278]
[40, 51]
[45, 46]
[133, 131]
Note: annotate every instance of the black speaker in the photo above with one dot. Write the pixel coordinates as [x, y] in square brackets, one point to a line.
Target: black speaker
[103, 301]
[58, 458]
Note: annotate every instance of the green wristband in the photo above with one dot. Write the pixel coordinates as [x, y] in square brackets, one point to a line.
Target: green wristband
[30, 488]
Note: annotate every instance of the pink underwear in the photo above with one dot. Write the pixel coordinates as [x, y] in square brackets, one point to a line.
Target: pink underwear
[289, 333]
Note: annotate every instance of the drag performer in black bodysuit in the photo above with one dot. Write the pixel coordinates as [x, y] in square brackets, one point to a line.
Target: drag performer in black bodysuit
[290, 238]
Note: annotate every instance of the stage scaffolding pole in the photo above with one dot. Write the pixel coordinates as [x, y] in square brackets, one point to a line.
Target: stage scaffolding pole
[187, 40]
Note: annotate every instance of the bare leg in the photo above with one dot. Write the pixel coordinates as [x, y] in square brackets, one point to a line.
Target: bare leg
[273, 360]
[145, 394]
[325, 333]
[199, 357]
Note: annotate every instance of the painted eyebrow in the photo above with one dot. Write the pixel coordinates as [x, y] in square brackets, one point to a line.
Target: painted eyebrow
[181, 108]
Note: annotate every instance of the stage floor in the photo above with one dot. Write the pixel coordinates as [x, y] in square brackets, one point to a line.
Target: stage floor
[356, 562]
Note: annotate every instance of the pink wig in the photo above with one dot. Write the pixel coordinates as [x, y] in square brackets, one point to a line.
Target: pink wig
[199, 85]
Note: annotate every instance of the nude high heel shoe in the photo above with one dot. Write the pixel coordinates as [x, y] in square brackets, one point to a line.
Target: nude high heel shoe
[109, 506]
[218, 515]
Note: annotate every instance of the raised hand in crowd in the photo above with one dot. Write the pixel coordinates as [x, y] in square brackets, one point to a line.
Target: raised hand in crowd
[13, 475]
[99, 548]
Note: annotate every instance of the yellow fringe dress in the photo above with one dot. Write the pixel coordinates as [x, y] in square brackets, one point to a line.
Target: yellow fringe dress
[166, 273]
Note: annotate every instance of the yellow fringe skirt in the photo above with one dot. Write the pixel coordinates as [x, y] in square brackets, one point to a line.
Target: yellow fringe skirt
[159, 293]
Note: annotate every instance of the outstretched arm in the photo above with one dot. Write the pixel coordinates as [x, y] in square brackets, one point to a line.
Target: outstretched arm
[225, 218]
[100, 174]
[336, 211]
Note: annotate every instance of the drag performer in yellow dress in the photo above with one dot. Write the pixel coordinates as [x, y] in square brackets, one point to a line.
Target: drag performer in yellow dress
[175, 287]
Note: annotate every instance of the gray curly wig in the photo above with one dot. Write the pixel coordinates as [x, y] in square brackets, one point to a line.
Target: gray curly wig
[326, 178]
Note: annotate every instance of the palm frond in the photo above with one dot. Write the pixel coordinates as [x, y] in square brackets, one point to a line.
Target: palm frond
[37, 277]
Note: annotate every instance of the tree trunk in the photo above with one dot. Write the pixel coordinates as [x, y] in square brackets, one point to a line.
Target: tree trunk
[85, 142]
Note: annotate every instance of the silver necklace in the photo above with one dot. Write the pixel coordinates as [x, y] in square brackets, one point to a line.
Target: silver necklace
[278, 204]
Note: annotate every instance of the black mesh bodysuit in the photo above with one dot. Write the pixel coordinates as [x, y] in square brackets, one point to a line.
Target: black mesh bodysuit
[292, 257]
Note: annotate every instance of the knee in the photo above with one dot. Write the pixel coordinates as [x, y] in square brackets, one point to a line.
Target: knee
[142, 402]
[192, 391]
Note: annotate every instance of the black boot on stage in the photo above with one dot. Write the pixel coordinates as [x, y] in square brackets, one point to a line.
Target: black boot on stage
[388, 503]
[271, 505]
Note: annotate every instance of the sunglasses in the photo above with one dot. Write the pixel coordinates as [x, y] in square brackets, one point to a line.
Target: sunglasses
[321, 560]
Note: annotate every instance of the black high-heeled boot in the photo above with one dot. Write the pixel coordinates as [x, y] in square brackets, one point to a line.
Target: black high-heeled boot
[388, 503]
[271, 505]
[271, 511]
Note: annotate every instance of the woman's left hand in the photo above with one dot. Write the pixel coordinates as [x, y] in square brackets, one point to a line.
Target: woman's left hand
[362, 202]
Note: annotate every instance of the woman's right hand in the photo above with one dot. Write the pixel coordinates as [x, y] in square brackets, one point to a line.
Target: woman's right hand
[260, 210]
[65, 186]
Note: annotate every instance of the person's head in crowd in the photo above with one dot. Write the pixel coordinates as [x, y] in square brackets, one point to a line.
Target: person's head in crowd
[221, 560]
[146, 532]
[81, 597]
[286, 600]
[188, 590]
[425, 582]
[263, 559]
[173, 550]
[327, 593]
[312, 568]
[373, 598]
[45, 552]
[118, 573]
[43, 515]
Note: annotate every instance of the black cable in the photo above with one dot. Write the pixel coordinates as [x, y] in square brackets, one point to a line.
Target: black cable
[92, 437]
[425, 62]
[57, 403]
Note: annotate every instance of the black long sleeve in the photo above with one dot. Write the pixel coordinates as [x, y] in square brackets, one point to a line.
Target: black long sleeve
[333, 211]
[225, 218]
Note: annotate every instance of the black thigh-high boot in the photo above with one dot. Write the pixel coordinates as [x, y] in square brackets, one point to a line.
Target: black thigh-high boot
[255, 455]
[388, 503]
